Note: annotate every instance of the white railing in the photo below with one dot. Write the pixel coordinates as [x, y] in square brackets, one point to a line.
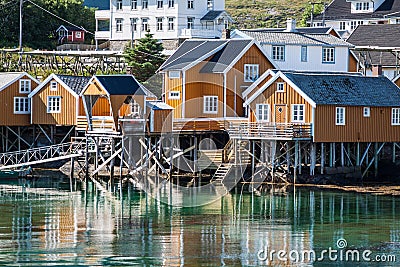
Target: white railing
[200, 33]
[269, 130]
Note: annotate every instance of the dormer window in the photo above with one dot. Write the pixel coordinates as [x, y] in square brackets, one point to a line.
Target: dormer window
[361, 7]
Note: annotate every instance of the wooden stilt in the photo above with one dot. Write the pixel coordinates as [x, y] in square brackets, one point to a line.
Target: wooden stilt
[296, 160]
[71, 175]
[358, 154]
[376, 154]
[299, 158]
[273, 155]
[288, 156]
[342, 154]
[322, 157]
[313, 158]
[394, 153]
[334, 154]
[112, 163]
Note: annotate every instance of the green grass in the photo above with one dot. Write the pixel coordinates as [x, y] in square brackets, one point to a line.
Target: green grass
[265, 13]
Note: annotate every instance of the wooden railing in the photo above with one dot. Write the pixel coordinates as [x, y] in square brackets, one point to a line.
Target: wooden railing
[269, 130]
[98, 122]
[204, 124]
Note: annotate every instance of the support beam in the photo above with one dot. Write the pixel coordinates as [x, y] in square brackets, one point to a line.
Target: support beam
[322, 157]
[313, 158]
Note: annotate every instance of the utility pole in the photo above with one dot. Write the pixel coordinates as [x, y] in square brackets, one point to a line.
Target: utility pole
[20, 25]
[312, 12]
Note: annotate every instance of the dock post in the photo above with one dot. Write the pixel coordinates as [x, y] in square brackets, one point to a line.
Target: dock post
[394, 152]
[322, 157]
[288, 156]
[112, 163]
[376, 158]
[299, 158]
[358, 154]
[71, 174]
[296, 160]
[273, 155]
[87, 161]
[342, 154]
[313, 159]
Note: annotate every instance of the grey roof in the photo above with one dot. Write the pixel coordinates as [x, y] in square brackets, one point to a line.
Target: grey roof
[120, 84]
[7, 77]
[223, 58]
[295, 38]
[76, 83]
[212, 15]
[341, 9]
[309, 30]
[369, 58]
[347, 89]
[383, 35]
[190, 51]
[158, 105]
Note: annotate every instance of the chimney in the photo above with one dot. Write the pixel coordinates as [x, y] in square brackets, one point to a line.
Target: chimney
[226, 34]
[290, 25]
[377, 70]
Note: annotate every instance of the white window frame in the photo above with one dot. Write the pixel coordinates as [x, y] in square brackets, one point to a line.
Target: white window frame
[134, 24]
[135, 108]
[190, 4]
[171, 23]
[395, 116]
[174, 74]
[298, 113]
[145, 24]
[263, 112]
[23, 104]
[52, 107]
[160, 4]
[174, 95]
[278, 52]
[190, 22]
[210, 4]
[78, 35]
[159, 21]
[304, 53]
[134, 4]
[367, 112]
[342, 25]
[118, 24]
[145, 4]
[171, 3]
[251, 72]
[53, 86]
[210, 104]
[25, 86]
[340, 116]
[328, 55]
[119, 5]
[280, 87]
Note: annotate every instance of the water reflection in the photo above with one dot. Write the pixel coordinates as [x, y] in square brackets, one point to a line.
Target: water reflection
[42, 227]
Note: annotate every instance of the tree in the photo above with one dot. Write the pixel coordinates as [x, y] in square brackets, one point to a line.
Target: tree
[145, 57]
[39, 26]
[318, 9]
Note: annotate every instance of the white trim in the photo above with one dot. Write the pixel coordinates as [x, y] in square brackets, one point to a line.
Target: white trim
[45, 82]
[224, 111]
[268, 114]
[292, 113]
[21, 74]
[392, 118]
[174, 95]
[29, 86]
[278, 90]
[211, 97]
[25, 98]
[53, 86]
[366, 112]
[183, 94]
[174, 77]
[246, 68]
[257, 82]
[91, 81]
[48, 106]
[288, 81]
[336, 116]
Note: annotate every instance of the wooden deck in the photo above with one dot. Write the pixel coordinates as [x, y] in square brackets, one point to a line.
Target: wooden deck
[204, 124]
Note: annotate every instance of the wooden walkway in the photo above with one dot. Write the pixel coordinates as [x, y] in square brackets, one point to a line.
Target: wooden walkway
[11, 160]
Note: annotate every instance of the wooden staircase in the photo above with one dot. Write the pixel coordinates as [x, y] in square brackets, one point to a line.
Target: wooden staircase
[209, 159]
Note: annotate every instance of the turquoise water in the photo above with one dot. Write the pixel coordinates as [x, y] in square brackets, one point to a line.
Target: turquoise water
[49, 227]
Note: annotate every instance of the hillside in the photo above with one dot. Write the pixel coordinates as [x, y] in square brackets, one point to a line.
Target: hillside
[267, 13]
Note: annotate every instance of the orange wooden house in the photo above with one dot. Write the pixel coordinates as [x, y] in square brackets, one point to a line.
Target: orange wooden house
[14, 90]
[338, 107]
[206, 78]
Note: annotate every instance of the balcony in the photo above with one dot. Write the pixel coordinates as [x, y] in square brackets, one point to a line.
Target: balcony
[102, 14]
[200, 33]
[102, 35]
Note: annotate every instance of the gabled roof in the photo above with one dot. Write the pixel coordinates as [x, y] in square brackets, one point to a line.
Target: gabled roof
[215, 14]
[295, 38]
[257, 82]
[73, 84]
[224, 57]
[308, 30]
[345, 89]
[8, 78]
[158, 105]
[70, 28]
[382, 35]
[124, 84]
[341, 10]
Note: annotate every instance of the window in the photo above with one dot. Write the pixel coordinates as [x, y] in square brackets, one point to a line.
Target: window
[78, 34]
[340, 116]
[210, 104]
[53, 86]
[367, 112]
[174, 95]
[280, 87]
[22, 105]
[304, 54]
[190, 4]
[362, 6]
[395, 116]
[24, 86]
[118, 23]
[160, 3]
[135, 108]
[119, 4]
[133, 4]
[278, 52]
[174, 74]
[342, 25]
[355, 23]
[210, 4]
[171, 24]
[159, 24]
[250, 72]
[262, 112]
[171, 3]
[298, 113]
[145, 24]
[190, 22]
[134, 24]
[328, 55]
[358, 6]
[366, 6]
[145, 4]
[53, 104]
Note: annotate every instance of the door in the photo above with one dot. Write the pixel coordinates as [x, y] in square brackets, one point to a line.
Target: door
[280, 114]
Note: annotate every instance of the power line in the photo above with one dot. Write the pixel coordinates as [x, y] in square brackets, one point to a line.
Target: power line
[58, 17]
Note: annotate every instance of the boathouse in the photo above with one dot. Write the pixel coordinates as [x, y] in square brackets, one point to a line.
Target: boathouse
[70, 34]
[204, 79]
